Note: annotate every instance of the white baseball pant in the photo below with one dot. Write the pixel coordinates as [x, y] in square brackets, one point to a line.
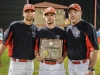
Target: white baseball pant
[21, 68]
[78, 69]
[56, 69]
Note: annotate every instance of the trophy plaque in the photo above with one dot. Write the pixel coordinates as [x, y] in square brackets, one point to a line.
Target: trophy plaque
[50, 49]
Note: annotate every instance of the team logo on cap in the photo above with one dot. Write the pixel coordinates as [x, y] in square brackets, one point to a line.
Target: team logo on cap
[49, 8]
[28, 5]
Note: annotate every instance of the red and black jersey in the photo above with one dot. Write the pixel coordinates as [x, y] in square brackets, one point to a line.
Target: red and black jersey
[21, 40]
[81, 39]
[54, 33]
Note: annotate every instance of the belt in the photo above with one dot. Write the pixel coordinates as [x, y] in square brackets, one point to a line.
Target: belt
[20, 60]
[78, 61]
[49, 62]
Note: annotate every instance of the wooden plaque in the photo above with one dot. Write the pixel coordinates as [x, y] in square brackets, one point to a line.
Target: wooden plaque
[50, 49]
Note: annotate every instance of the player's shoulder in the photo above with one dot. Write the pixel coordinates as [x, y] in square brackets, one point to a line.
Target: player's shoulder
[42, 29]
[59, 28]
[35, 26]
[87, 25]
[16, 22]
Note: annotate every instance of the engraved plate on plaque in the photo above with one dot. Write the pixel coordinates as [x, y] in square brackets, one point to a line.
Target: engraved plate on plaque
[50, 49]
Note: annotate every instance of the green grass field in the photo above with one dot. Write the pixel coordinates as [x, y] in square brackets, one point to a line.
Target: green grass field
[5, 65]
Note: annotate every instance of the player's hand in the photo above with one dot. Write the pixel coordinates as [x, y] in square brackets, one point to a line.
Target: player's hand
[0, 64]
[90, 73]
[38, 57]
[60, 60]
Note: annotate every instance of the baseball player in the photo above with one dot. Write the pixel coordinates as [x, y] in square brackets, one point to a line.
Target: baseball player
[21, 38]
[50, 31]
[82, 44]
